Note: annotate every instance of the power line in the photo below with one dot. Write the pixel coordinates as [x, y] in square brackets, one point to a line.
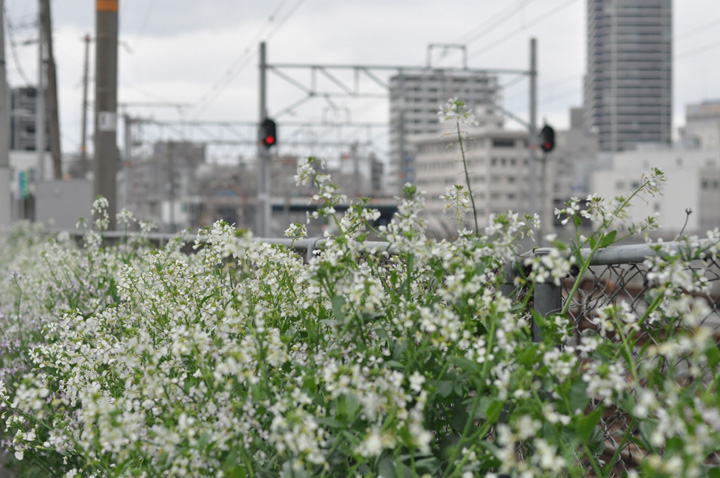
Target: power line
[501, 18]
[693, 31]
[702, 49]
[248, 54]
[151, 3]
[13, 47]
[521, 29]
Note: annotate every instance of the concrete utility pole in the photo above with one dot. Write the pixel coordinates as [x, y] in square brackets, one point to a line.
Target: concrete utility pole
[262, 207]
[106, 152]
[40, 117]
[52, 97]
[4, 130]
[83, 132]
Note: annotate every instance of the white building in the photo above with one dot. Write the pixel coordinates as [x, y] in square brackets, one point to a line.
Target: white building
[702, 127]
[415, 98]
[498, 166]
[692, 182]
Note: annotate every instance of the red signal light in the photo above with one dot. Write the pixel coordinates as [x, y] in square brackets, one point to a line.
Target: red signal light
[268, 132]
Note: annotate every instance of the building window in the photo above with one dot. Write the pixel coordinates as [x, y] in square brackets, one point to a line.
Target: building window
[503, 143]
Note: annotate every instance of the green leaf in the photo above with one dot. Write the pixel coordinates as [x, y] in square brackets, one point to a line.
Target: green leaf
[711, 471]
[465, 364]
[713, 356]
[459, 418]
[609, 239]
[646, 428]
[494, 410]
[386, 467]
[337, 306]
[586, 424]
[348, 405]
[528, 356]
[445, 388]
[578, 398]
[393, 364]
[203, 441]
[330, 422]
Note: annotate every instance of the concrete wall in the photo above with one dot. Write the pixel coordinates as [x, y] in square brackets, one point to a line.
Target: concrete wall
[61, 203]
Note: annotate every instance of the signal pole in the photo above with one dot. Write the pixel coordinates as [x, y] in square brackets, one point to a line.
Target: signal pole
[533, 139]
[106, 151]
[4, 130]
[262, 206]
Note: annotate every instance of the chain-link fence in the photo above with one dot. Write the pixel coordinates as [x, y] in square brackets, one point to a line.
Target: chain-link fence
[617, 276]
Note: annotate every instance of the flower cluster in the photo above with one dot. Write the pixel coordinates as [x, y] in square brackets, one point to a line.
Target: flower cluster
[418, 358]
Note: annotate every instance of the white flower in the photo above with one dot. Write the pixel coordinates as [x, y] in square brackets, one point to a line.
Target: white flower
[416, 382]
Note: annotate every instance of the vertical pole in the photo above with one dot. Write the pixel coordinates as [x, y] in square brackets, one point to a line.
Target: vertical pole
[40, 106]
[263, 199]
[532, 131]
[4, 130]
[127, 163]
[171, 179]
[548, 300]
[83, 133]
[543, 200]
[52, 96]
[106, 153]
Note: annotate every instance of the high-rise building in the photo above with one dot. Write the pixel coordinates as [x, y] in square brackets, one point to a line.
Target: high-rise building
[414, 101]
[628, 82]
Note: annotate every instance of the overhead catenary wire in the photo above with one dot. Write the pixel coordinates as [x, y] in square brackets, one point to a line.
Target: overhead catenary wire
[13, 48]
[531, 23]
[247, 55]
[491, 24]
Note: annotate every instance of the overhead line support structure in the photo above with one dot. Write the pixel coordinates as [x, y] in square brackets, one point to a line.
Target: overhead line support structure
[313, 91]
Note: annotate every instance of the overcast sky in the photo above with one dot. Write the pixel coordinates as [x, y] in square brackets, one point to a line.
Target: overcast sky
[203, 54]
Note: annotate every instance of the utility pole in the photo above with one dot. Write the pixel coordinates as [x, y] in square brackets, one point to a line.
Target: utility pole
[533, 139]
[51, 90]
[40, 117]
[127, 160]
[83, 132]
[106, 152]
[262, 206]
[4, 130]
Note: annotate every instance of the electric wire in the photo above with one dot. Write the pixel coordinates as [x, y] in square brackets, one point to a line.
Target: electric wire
[693, 31]
[144, 23]
[248, 54]
[533, 22]
[702, 49]
[498, 19]
[13, 48]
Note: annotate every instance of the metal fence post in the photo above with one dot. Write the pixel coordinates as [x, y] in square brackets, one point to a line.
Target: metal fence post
[547, 300]
[510, 271]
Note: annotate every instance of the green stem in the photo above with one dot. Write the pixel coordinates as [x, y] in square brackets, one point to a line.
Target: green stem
[467, 178]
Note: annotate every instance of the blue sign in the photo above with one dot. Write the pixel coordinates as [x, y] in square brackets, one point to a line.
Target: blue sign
[22, 184]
